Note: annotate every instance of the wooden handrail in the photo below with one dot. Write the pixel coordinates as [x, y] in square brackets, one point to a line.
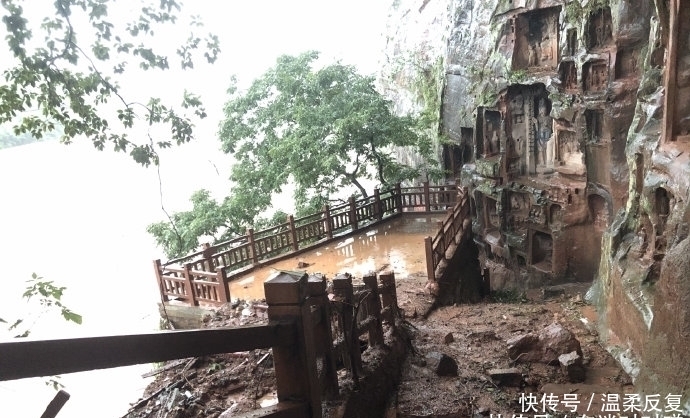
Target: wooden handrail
[25, 358]
[435, 247]
[299, 234]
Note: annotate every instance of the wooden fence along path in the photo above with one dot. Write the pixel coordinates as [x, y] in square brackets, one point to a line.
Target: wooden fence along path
[307, 332]
[451, 231]
[203, 277]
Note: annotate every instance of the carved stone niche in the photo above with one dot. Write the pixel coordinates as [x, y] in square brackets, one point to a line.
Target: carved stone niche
[518, 212]
[541, 251]
[595, 76]
[662, 208]
[627, 63]
[516, 143]
[598, 211]
[681, 126]
[555, 216]
[491, 133]
[594, 119]
[599, 29]
[536, 40]
[567, 73]
[571, 41]
[569, 156]
[492, 220]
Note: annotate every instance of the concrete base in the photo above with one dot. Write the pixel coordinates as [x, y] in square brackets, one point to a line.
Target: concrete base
[184, 317]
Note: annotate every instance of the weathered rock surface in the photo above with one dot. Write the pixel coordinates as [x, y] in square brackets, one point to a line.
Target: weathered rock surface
[572, 367]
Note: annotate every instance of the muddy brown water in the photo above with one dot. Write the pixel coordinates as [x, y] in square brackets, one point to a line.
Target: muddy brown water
[397, 245]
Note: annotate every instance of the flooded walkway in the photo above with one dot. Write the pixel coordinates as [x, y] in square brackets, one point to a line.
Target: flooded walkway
[397, 245]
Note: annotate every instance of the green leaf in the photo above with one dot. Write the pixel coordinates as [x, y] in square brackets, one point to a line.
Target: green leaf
[71, 316]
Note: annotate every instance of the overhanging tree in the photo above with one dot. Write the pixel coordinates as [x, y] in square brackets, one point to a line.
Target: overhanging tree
[65, 70]
[62, 77]
[321, 129]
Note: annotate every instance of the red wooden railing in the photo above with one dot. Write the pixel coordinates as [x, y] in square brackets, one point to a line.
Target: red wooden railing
[304, 345]
[441, 247]
[203, 276]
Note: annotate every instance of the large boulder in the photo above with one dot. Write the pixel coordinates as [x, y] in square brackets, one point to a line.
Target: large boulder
[544, 347]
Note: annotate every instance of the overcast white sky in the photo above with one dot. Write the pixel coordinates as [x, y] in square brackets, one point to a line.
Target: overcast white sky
[252, 35]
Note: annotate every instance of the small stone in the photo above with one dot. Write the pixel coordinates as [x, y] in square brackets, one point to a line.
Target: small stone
[442, 364]
[448, 338]
[572, 367]
[506, 377]
[302, 265]
[524, 348]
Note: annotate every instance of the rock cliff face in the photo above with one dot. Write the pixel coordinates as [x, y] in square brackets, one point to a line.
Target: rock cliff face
[569, 122]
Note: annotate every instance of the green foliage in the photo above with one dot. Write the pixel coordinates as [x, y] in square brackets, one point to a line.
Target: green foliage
[322, 129]
[54, 80]
[318, 129]
[49, 298]
[517, 76]
[576, 12]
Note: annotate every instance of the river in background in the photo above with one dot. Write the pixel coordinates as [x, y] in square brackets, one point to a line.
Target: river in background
[78, 217]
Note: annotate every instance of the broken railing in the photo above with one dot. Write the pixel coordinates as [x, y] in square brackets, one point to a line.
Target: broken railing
[308, 335]
[441, 248]
[202, 277]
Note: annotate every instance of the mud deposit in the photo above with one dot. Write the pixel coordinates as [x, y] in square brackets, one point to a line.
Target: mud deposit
[227, 385]
[478, 344]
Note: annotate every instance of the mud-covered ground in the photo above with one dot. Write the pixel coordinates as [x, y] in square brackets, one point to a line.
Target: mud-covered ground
[473, 335]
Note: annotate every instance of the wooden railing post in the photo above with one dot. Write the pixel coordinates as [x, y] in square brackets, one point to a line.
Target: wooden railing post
[189, 285]
[343, 293]
[207, 255]
[252, 246]
[389, 297]
[378, 212]
[56, 404]
[317, 332]
[429, 251]
[427, 202]
[223, 288]
[293, 232]
[296, 374]
[374, 310]
[328, 222]
[353, 213]
[161, 285]
[397, 191]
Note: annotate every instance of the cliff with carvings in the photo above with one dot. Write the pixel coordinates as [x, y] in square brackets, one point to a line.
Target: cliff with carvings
[569, 123]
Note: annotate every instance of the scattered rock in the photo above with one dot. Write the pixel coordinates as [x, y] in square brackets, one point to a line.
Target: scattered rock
[557, 340]
[302, 264]
[483, 335]
[506, 377]
[572, 367]
[524, 348]
[545, 347]
[229, 412]
[448, 338]
[442, 364]
[432, 288]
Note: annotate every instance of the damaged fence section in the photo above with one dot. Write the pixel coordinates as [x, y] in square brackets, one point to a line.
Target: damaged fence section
[310, 332]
